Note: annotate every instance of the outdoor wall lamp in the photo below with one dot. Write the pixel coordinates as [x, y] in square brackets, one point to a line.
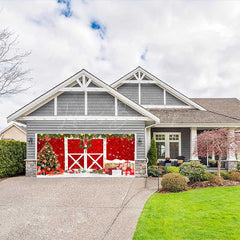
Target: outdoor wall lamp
[30, 140]
[139, 141]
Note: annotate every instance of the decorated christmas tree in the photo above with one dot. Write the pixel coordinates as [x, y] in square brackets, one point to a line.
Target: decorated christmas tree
[47, 161]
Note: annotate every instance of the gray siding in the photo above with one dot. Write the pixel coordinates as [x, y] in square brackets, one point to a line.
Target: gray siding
[185, 138]
[171, 100]
[91, 84]
[45, 110]
[130, 90]
[100, 104]
[125, 110]
[114, 127]
[70, 103]
[151, 94]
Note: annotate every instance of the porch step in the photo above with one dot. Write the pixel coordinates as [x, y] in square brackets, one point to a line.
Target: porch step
[214, 169]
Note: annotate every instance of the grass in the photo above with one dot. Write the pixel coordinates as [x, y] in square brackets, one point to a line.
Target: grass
[207, 213]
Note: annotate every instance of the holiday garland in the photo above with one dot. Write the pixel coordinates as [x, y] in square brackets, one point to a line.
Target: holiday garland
[85, 139]
[82, 136]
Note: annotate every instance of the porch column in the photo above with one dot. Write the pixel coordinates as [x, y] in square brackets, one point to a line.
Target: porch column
[147, 140]
[231, 155]
[193, 144]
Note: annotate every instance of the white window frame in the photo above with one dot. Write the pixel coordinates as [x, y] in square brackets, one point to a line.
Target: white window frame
[167, 142]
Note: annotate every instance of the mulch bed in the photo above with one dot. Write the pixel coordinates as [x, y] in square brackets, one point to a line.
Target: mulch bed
[204, 184]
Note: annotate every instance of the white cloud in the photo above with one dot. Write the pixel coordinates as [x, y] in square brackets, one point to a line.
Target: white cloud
[191, 45]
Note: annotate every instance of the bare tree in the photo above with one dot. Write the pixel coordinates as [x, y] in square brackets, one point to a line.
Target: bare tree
[12, 77]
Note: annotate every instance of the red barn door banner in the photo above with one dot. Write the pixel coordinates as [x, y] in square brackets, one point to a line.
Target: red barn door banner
[75, 154]
[91, 158]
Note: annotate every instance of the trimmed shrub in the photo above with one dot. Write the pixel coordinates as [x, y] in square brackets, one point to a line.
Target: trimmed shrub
[154, 171]
[152, 153]
[174, 182]
[224, 175]
[217, 180]
[194, 170]
[172, 169]
[206, 176]
[238, 166]
[12, 156]
[235, 176]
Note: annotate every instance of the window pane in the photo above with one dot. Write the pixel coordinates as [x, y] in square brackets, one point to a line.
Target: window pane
[160, 150]
[173, 137]
[174, 149]
[160, 137]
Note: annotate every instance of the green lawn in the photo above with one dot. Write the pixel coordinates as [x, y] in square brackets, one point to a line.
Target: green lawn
[207, 213]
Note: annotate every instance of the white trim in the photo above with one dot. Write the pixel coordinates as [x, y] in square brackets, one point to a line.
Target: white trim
[193, 144]
[35, 147]
[137, 81]
[139, 93]
[78, 89]
[79, 83]
[164, 97]
[116, 107]
[161, 84]
[66, 152]
[86, 103]
[32, 118]
[167, 142]
[13, 125]
[167, 106]
[51, 93]
[55, 106]
[135, 150]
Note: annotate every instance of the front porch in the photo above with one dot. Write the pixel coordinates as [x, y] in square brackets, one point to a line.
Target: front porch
[174, 143]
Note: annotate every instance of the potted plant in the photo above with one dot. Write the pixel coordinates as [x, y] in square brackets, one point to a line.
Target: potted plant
[212, 163]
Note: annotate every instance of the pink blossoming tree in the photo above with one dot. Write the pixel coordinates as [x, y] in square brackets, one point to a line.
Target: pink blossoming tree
[219, 141]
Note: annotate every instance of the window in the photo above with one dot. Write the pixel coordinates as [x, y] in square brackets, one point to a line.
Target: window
[168, 145]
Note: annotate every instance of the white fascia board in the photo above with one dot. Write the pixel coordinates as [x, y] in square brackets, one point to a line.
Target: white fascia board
[160, 84]
[35, 118]
[217, 125]
[48, 96]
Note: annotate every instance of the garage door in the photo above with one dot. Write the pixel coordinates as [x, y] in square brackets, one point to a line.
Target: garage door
[105, 153]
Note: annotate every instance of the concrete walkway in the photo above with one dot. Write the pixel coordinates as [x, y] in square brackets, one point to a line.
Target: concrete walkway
[72, 208]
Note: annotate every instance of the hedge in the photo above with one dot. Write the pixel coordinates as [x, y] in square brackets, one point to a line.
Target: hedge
[12, 156]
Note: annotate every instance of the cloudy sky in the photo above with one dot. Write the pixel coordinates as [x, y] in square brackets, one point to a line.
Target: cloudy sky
[192, 45]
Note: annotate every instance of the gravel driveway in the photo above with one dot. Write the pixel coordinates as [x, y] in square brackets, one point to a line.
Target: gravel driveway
[72, 208]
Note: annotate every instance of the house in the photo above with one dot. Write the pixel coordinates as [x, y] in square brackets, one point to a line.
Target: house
[89, 124]
[14, 132]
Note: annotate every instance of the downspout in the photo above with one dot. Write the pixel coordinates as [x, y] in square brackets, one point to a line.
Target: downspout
[145, 141]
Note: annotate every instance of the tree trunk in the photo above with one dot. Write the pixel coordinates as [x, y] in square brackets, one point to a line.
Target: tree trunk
[219, 165]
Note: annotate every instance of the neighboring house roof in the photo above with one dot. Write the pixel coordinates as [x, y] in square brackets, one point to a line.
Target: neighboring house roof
[21, 128]
[219, 110]
[161, 84]
[57, 90]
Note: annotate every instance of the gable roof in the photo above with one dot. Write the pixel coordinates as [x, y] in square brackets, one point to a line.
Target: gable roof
[229, 107]
[161, 84]
[219, 111]
[49, 95]
[21, 128]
